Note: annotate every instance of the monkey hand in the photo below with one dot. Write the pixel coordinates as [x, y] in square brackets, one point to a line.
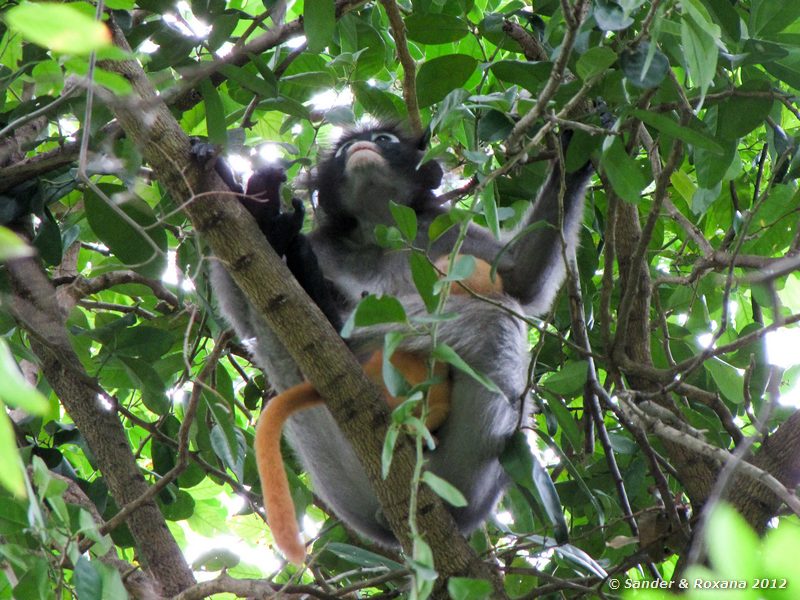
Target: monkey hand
[263, 200]
[207, 156]
[282, 228]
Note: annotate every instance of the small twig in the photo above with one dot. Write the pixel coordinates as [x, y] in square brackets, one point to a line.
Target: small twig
[47, 108]
[183, 442]
[514, 139]
[406, 60]
[531, 47]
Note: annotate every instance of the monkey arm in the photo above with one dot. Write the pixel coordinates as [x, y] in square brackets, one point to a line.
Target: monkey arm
[303, 263]
[282, 229]
[537, 270]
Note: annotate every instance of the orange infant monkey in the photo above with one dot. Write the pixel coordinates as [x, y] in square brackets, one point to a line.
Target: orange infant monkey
[274, 484]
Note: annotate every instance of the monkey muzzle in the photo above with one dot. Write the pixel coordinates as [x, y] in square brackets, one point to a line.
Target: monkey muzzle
[361, 155]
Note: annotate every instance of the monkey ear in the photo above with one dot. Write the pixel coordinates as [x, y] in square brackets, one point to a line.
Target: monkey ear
[429, 175]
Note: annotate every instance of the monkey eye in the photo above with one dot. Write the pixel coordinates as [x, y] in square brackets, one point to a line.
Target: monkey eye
[382, 136]
[343, 148]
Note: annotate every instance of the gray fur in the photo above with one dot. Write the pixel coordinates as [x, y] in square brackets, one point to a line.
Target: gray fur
[488, 338]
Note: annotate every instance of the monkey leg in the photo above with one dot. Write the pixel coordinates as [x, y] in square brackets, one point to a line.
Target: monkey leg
[415, 369]
[479, 281]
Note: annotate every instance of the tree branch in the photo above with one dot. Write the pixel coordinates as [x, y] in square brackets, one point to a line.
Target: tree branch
[409, 67]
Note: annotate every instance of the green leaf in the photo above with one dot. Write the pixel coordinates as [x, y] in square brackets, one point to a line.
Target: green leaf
[569, 379]
[439, 76]
[463, 267]
[728, 379]
[310, 79]
[182, 507]
[772, 16]
[445, 490]
[713, 168]
[223, 28]
[723, 12]
[88, 582]
[494, 126]
[530, 75]
[387, 452]
[145, 378]
[11, 246]
[129, 229]
[445, 353]
[644, 66]
[787, 69]
[594, 61]
[433, 28]
[683, 184]
[464, 588]
[144, 341]
[739, 115]
[526, 471]
[425, 278]
[780, 549]
[489, 209]
[319, 21]
[626, 178]
[363, 558]
[60, 27]
[377, 101]
[669, 127]
[610, 16]
[11, 475]
[422, 565]
[566, 421]
[35, 583]
[225, 438]
[216, 559]
[406, 220]
[701, 53]
[264, 87]
[15, 389]
[577, 474]
[733, 547]
[584, 562]
[215, 112]
[374, 310]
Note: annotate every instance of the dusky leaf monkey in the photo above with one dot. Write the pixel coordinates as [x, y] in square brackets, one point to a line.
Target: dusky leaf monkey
[339, 262]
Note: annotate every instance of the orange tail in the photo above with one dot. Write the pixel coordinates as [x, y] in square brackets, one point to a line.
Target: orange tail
[274, 485]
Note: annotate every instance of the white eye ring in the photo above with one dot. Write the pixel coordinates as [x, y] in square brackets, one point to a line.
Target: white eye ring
[383, 136]
[343, 148]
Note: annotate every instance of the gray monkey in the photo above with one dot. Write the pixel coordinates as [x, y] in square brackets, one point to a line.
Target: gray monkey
[339, 262]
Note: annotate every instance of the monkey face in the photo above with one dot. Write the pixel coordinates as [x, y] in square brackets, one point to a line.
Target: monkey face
[378, 150]
[367, 169]
[363, 155]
